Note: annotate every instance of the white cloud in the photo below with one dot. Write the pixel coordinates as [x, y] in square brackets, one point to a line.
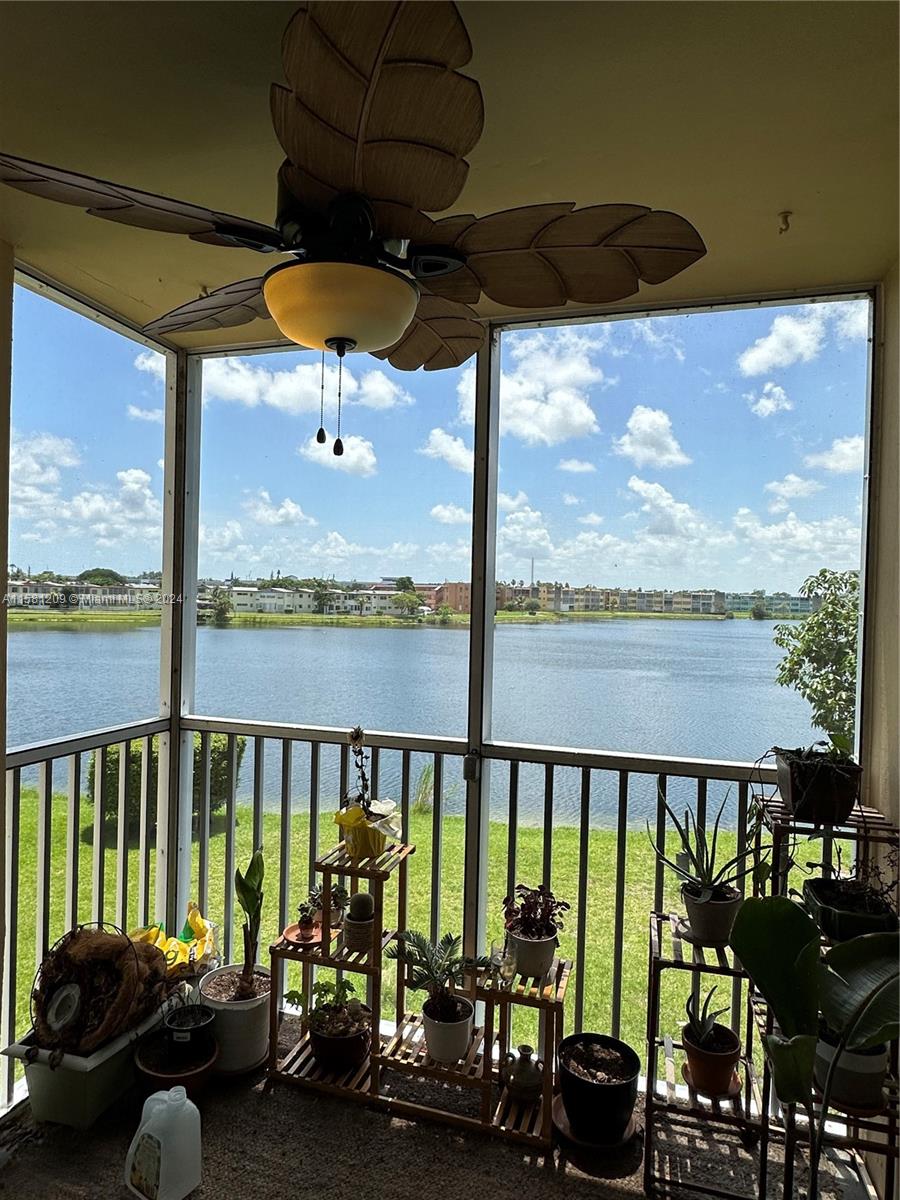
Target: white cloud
[358, 457]
[771, 399]
[649, 440]
[155, 415]
[575, 466]
[789, 340]
[298, 389]
[655, 333]
[260, 508]
[451, 514]
[843, 457]
[792, 487]
[851, 319]
[507, 503]
[545, 398]
[590, 518]
[449, 449]
[524, 534]
[442, 553]
[376, 390]
[569, 500]
[152, 363]
[799, 546]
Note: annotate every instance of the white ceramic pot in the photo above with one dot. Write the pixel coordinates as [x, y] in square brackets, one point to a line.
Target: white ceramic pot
[241, 1027]
[534, 956]
[448, 1041]
[858, 1079]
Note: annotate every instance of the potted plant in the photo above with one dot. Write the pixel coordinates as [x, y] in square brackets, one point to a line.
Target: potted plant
[447, 1017]
[846, 906]
[306, 920]
[708, 890]
[598, 1079]
[819, 783]
[533, 920]
[359, 923]
[338, 898]
[182, 1054]
[712, 1050]
[854, 985]
[339, 1024]
[238, 993]
[365, 823]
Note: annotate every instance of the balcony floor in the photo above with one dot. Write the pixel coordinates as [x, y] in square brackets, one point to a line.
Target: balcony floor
[265, 1146]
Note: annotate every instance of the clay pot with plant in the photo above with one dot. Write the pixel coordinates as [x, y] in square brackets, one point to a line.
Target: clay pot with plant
[534, 918]
[710, 896]
[306, 920]
[437, 969]
[239, 993]
[339, 1025]
[712, 1050]
[182, 1054]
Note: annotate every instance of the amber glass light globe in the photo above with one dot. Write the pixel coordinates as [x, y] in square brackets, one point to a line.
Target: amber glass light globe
[315, 303]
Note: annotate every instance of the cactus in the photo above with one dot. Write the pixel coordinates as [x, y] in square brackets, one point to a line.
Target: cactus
[362, 907]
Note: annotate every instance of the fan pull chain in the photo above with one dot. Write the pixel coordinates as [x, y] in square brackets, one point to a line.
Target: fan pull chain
[338, 444]
[320, 436]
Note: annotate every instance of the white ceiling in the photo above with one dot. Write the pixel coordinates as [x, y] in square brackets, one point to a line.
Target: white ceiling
[725, 112]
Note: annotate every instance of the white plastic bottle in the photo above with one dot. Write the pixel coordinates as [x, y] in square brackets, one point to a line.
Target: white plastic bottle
[164, 1159]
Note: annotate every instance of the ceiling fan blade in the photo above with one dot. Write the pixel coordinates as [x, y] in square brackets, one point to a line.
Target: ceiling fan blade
[375, 103]
[442, 334]
[235, 304]
[547, 254]
[115, 202]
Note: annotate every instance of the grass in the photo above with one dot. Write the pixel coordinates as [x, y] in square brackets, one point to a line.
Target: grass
[82, 616]
[600, 907]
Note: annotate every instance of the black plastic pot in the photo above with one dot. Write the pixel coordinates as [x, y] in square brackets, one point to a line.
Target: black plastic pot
[339, 1053]
[598, 1112]
[187, 1027]
[816, 789]
[840, 924]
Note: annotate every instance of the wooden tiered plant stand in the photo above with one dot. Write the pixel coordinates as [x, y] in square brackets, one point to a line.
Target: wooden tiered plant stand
[404, 1050]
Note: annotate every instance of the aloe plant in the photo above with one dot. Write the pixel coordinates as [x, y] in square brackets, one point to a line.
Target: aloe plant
[697, 865]
[700, 1020]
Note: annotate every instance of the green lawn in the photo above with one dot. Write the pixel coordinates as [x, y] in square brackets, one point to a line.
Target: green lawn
[639, 874]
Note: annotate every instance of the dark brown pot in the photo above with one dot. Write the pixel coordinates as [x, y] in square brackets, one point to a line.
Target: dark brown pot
[339, 1053]
[712, 1071]
[158, 1070]
[815, 789]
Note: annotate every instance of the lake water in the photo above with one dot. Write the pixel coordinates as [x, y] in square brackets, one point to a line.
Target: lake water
[686, 688]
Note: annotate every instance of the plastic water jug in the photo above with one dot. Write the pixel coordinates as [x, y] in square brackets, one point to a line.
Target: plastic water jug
[163, 1161]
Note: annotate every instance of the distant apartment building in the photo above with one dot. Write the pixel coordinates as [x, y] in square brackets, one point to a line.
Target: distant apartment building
[776, 604]
[705, 602]
[248, 599]
[30, 593]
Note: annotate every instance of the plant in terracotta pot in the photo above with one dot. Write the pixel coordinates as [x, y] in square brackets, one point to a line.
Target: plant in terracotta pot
[337, 897]
[598, 1079]
[238, 993]
[819, 783]
[339, 1024]
[712, 1050]
[447, 1017]
[306, 920]
[534, 918]
[708, 889]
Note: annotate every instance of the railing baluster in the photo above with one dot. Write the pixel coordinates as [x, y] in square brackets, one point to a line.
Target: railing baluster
[203, 824]
[284, 863]
[512, 829]
[661, 791]
[147, 820]
[437, 846]
[742, 887]
[42, 897]
[584, 845]
[701, 803]
[403, 872]
[548, 823]
[230, 805]
[619, 914]
[73, 832]
[259, 764]
[11, 904]
[374, 771]
[123, 826]
[345, 770]
[98, 859]
[314, 748]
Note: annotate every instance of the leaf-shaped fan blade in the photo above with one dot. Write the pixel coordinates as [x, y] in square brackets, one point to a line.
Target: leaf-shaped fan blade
[375, 103]
[442, 334]
[547, 254]
[234, 304]
[115, 202]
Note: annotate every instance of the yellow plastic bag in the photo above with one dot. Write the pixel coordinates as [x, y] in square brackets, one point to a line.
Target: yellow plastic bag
[363, 840]
[193, 948]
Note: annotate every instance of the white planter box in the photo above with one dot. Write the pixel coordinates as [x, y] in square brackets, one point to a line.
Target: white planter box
[80, 1088]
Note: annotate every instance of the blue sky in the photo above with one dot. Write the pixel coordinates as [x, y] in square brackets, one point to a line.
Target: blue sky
[720, 449]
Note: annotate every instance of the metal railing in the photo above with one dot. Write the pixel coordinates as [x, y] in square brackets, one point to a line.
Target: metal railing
[276, 785]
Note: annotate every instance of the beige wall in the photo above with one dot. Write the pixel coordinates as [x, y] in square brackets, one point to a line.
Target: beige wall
[6, 296]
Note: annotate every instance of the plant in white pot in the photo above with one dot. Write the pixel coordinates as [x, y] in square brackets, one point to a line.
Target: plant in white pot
[239, 993]
[534, 918]
[708, 889]
[436, 970]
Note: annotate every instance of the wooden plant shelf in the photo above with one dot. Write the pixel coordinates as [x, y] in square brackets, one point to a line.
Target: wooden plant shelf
[299, 1067]
[380, 866]
[730, 1110]
[338, 957]
[406, 1052]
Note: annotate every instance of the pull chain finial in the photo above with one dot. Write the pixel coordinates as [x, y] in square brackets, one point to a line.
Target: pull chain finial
[320, 436]
[338, 444]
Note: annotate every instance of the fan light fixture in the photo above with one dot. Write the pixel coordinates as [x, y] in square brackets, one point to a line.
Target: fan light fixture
[321, 304]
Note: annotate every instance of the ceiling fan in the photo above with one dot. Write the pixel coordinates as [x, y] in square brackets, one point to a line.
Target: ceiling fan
[376, 122]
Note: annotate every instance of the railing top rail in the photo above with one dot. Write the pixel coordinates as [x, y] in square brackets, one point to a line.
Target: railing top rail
[640, 764]
[326, 734]
[38, 752]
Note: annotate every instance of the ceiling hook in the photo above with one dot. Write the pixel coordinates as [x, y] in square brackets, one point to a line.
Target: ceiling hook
[785, 221]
